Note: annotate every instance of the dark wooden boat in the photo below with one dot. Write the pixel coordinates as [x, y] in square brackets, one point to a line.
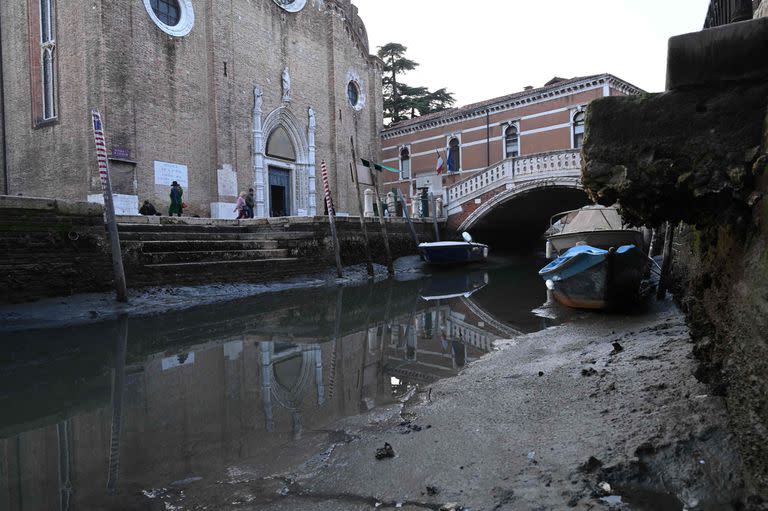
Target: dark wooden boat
[586, 277]
[453, 252]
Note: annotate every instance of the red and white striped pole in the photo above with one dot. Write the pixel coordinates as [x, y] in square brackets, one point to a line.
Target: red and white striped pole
[109, 207]
[326, 188]
[331, 216]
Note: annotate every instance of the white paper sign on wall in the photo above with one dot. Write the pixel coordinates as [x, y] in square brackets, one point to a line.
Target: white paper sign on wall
[227, 181]
[166, 173]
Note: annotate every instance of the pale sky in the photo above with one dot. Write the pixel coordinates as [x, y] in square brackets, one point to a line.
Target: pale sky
[483, 49]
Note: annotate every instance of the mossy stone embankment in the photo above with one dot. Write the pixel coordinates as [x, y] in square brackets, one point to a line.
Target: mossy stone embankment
[696, 156]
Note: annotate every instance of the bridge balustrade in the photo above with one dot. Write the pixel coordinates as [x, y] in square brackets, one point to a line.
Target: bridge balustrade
[514, 169]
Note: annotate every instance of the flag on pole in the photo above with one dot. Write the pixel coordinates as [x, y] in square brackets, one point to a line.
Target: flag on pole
[440, 163]
[377, 166]
[451, 164]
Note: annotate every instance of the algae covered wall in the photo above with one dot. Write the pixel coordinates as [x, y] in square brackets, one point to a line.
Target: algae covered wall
[697, 156]
[52, 247]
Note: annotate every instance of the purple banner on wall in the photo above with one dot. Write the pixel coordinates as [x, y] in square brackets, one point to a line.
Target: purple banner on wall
[121, 153]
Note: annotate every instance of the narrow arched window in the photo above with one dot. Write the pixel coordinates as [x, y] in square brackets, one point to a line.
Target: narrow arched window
[279, 145]
[454, 155]
[405, 163]
[511, 142]
[48, 59]
[578, 130]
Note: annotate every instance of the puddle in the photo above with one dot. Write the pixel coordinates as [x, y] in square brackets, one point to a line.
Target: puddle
[254, 385]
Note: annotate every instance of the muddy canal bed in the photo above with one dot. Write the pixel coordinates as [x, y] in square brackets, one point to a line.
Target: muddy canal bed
[281, 400]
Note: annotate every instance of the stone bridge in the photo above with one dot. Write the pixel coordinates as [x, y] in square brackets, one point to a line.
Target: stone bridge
[546, 182]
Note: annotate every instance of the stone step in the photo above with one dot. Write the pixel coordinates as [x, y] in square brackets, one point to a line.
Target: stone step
[212, 256]
[160, 232]
[206, 245]
[218, 265]
[180, 236]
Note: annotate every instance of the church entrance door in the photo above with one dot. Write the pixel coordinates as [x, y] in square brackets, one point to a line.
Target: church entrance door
[279, 192]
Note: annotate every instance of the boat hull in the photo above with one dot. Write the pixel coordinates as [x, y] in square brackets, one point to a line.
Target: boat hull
[603, 239]
[453, 253]
[591, 278]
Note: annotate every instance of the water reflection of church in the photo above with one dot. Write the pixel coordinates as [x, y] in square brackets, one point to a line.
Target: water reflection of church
[249, 401]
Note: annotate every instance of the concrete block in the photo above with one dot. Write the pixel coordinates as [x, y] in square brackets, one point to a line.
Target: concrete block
[223, 210]
[734, 52]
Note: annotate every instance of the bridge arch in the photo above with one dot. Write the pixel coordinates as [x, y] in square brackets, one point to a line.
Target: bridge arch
[520, 214]
[511, 194]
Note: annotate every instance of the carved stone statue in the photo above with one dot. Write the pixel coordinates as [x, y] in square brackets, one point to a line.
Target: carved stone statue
[311, 119]
[258, 98]
[286, 80]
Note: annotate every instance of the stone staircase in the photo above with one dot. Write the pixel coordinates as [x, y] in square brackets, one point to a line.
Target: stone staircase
[181, 253]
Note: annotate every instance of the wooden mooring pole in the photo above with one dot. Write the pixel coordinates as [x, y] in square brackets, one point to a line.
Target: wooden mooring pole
[382, 220]
[109, 207]
[331, 218]
[353, 170]
[666, 263]
[401, 198]
[433, 203]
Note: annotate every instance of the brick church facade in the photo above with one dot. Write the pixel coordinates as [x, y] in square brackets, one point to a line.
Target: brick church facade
[220, 97]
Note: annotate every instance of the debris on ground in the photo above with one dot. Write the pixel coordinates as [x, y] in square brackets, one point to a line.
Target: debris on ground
[591, 464]
[604, 489]
[588, 372]
[407, 426]
[451, 506]
[617, 348]
[385, 452]
[433, 490]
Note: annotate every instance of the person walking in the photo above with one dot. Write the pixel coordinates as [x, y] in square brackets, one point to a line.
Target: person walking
[250, 203]
[240, 207]
[176, 194]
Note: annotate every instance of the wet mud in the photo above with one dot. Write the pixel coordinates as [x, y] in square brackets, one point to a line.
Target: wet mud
[549, 421]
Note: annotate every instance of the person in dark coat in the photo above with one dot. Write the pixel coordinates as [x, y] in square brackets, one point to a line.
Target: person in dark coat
[250, 203]
[176, 193]
[148, 209]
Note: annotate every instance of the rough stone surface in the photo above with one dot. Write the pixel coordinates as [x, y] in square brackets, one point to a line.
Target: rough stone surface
[53, 247]
[698, 155]
[718, 55]
[677, 156]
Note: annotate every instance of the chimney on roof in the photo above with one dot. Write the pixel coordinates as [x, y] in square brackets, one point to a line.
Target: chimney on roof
[528, 87]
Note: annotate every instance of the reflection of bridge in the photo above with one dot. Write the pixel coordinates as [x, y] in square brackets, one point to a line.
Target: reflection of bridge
[474, 198]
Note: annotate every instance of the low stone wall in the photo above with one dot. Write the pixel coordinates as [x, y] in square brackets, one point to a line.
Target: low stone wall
[50, 247]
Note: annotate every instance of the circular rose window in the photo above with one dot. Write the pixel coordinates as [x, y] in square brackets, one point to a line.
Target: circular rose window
[291, 5]
[174, 17]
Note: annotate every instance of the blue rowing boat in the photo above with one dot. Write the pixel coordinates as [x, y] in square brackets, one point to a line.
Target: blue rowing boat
[587, 277]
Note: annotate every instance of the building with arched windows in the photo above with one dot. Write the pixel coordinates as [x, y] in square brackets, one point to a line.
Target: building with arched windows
[219, 97]
[472, 138]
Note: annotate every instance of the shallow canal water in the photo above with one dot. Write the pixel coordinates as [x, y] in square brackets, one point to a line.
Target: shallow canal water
[110, 415]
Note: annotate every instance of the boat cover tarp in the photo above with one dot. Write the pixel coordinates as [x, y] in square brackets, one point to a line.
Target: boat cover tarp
[577, 259]
[594, 219]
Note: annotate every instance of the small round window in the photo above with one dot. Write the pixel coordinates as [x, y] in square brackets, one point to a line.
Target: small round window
[174, 17]
[167, 11]
[353, 93]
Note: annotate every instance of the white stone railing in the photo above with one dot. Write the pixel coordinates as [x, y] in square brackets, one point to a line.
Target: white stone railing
[515, 169]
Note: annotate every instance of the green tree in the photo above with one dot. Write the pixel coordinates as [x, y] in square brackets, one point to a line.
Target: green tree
[402, 101]
[395, 63]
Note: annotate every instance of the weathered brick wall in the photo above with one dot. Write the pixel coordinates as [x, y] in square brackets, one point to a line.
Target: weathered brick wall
[51, 248]
[185, 100]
